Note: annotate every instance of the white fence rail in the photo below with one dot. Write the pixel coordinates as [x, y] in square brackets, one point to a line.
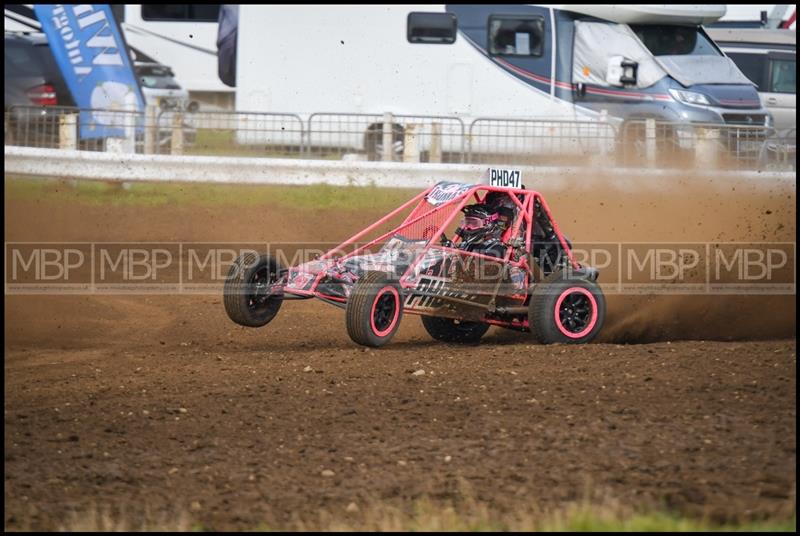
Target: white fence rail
[135, 167]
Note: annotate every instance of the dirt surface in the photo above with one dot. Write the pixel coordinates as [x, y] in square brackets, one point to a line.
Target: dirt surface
[159, 404]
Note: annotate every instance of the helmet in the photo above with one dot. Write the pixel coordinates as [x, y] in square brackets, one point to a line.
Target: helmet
[502, 204]
[480, 223]
[497, 199]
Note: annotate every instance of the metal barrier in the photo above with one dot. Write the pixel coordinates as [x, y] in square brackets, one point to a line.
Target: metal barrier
[536, 141]
[66, 127]
[406, 138]
[387, 137]
[779, 152]
[696, 145]
[244, 134]
[156, 131]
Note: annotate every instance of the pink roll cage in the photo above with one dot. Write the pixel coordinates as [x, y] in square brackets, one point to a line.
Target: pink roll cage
[429, 221]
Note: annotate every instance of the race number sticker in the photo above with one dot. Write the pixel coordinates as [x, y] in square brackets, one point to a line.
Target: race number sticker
[505, 178]
[445, 192]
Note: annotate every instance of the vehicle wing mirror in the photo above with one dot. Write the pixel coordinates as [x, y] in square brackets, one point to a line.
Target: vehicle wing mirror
[621, 71]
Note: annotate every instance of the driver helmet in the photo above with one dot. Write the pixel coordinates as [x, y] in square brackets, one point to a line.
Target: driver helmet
[480, 223]
[503, 205]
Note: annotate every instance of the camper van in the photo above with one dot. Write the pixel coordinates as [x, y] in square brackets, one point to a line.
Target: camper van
[612, 64]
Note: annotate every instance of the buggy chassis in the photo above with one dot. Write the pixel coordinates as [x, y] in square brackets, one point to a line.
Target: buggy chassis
[536, 286]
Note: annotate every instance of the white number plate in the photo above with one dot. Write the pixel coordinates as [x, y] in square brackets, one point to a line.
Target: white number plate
[505, 178]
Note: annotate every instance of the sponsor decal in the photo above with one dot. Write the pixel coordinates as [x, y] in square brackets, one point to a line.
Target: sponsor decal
[425, 295]
[444, 192]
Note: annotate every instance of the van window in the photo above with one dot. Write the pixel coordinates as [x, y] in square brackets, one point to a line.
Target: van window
[783, 78]
[431, 28]
[181, 12]
[752, 65]
[515, 35]
[668, 40]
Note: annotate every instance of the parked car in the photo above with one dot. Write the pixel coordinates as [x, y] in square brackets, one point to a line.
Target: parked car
[158, 84]
[160, 89]
[768, 58]
[32, 78]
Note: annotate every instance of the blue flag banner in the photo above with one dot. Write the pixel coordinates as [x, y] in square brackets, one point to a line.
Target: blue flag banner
[88, 48]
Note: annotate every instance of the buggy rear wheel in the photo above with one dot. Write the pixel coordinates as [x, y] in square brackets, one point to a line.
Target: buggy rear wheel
[374, 309]
[450, 330]
[249, 293]
[566, 310]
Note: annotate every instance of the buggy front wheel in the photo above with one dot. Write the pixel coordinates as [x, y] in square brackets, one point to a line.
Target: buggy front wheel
[374, 309]
[566, 310]
[250, 294]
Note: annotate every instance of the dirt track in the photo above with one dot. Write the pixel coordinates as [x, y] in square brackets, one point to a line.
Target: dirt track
[160, 403]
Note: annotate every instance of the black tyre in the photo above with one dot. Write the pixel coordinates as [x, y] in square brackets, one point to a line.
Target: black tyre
[249, 297]
[566, 310]
[374, 309]
[450, 330]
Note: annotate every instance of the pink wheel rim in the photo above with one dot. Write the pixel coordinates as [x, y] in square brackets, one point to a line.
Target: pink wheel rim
[393, 292]
[557, 313]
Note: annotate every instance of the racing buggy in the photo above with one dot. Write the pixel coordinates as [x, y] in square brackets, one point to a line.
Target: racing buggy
[462, 256]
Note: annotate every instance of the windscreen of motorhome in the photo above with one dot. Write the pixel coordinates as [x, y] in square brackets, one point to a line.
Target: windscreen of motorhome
[597, 42]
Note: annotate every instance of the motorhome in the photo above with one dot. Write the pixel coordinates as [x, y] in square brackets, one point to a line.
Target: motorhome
[607, 63]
